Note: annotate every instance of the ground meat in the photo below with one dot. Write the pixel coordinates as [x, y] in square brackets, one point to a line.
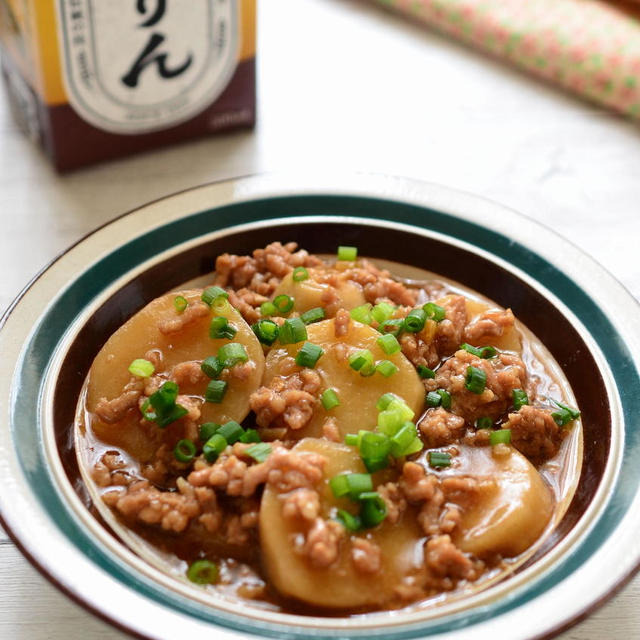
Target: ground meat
[418, 351]
[440, 428]
[240, 371]
[534, 433]
[322, 542]
[444, 559]
[287, 401]
[193, 312]
[365, 555]
[247, 303]
[108, 470]
[330, 430]
[342, 323]
[171, 510]
[394, 499]
[187, 373]
[489, 324]
[284, 469]
[237, 528]
[416, 485]
[386, 289]
[301, 504]
[504, 374]
[449, 331]
[112, 411]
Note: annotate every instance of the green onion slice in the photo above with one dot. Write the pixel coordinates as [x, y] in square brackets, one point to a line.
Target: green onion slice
[231, 431]
[350, 484]
[260, 451]
[501, 436]
[207, 429]
[385, 400]
[351, 439]
[180, 303]
[213, 447]
[439, 459]
[565, 414]
[313, 315]
[433, 399]
[393, 326]
[268, 309]
[212, 294]
[360, 358]
[231, 354]
[184, 451]
[215, 391]
[250, 435]
[476, 380]
[203, 572]
[480, 352]
[266, 331]
[348, 254]
[299, 274]
[520, 398]
[373, 509]
[386, 368]
[329, 399]
[348, 520]
[283, 303]
[403, 439]
[435, 311]
[362, 313]
[425, 372]
[415, 320]
[382, 312]
[309, 355]
[388, 343]
[293, 331]
[141, 368]
[212, 367]
[221, 329]
[164, 403]
[484, 423]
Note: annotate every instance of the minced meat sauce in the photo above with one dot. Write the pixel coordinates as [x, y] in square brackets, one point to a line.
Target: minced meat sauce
[321, 435]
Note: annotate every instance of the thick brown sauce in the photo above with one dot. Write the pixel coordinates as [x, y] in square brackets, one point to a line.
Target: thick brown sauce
[241, 574]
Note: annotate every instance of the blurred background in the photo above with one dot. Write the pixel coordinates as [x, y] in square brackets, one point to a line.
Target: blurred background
[390, 87]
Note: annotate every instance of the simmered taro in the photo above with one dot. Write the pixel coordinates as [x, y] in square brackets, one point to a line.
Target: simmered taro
[316, 434]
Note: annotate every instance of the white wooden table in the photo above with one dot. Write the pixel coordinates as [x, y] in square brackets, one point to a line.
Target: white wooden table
[345, 85]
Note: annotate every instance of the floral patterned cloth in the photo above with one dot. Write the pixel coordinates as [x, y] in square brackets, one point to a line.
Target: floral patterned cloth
[590, 47]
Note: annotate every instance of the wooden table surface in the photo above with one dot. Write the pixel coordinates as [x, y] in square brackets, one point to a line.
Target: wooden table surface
[343, 85]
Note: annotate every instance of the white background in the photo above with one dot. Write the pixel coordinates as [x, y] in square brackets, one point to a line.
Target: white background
[344, 85]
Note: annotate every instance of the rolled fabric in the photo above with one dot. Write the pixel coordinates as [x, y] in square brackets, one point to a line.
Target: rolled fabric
[589, 47]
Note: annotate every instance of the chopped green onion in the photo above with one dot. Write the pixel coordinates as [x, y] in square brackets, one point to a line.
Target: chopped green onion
[386, 368]
[175, 413]
[180, 303]
[403, 439]
[293, 331]
[231, 354]
[211, 367]
[207, 429]
[230, 431]
[283, 303]
[445, 398]
[313, 315]
[435, 311]
[565, 415]
[141, 368]
[476, 380]
[484, 423]
[211, 294]
[438, 459]
[348, 521]
[203, 572]
[348, 254]
[425, 372]
[501, 436]
[351, 439]
[415, 320]
[373, 509]
[221, 329]
[374, 450]
[368, 370]
[350, 484]
[480, 352]
[250, 435]
[164, 403]
[414, 447]
[360, 358]
[385, 400]
[393, 326]
[433, 399]
[362, 313]
[268, 309]
[329, 399]
[266, 331]
[388, 343]
[260, 451]
[382, 312]
[391, 420]
[184, 451]
[520, 398]
[215, 391]
[299, 274]
[309, 355]
[213, 447]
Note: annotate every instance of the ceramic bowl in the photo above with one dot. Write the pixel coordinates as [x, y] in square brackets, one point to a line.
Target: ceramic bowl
[52, 332]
